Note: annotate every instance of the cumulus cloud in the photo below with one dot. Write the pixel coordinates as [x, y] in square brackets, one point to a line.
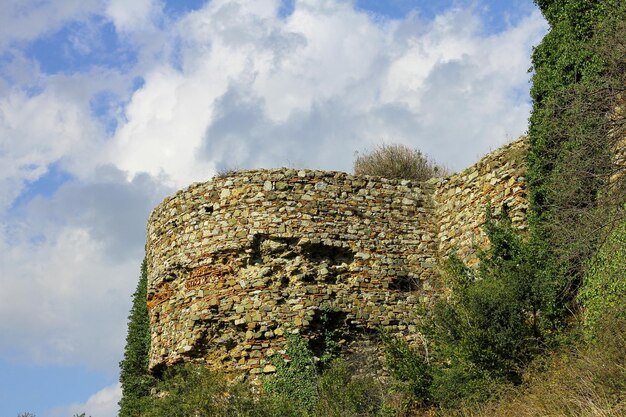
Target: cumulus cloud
[68, 264]
[60, 301]
[101, 404]
[165, 122]
[249, 88]
[133, 15]
[36, 131]
[22, 20]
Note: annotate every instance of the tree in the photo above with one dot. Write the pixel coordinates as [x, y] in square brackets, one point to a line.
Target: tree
[134, 374]
[497, 318]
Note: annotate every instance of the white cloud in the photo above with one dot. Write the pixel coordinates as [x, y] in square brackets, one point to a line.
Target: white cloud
[133, 15]
[101, 404]
[166, 121]
[36, 132]
[331, 49]
[22, 20]
[248, 88]
[449, 38]
[68, 264]
[63, 302]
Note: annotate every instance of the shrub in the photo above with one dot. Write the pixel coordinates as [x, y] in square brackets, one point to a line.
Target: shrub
[295, 380]
[396, 161]
[188, 390]
[192, 390]
[226, 172]
[497, 318]
[341, 394]
[410, 368]
[581, 380]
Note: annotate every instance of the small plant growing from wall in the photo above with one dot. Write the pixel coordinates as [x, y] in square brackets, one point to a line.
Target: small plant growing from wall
[295, 380]
[396, 161]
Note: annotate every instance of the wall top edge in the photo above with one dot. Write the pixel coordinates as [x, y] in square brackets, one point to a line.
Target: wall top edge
[251, 176]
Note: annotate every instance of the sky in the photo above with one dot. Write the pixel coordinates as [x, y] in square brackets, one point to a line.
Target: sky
[108, 106]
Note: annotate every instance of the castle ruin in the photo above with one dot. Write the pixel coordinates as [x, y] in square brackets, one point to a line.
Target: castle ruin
[238, 263]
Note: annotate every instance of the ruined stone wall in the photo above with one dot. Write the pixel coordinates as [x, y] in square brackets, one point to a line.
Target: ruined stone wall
[238, 263]
[497, 180]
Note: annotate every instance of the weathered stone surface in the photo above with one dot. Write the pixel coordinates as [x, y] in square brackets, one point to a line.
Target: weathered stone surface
[236, 264]
[461, 200]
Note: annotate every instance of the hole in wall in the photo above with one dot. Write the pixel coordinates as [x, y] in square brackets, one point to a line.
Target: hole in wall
[403, 283]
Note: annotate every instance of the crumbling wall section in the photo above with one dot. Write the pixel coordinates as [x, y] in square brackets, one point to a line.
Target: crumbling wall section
[498, 181]
[238, 263]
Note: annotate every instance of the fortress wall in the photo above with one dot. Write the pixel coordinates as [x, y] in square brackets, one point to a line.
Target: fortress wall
[237, 263]
[497, 180]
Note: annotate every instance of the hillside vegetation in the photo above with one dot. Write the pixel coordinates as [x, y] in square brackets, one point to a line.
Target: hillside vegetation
[538, 329]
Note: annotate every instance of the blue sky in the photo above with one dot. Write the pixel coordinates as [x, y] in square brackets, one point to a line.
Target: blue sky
[108, 106]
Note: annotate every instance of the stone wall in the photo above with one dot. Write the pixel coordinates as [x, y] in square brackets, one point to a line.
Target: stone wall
[238, 263]
[497, 180]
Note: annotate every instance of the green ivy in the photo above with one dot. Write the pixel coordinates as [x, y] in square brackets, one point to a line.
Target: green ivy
[604, 287]
[572, 92]
[579, 71]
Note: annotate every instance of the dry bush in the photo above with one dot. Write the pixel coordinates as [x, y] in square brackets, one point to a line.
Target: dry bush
[396, 161]
[226, 172]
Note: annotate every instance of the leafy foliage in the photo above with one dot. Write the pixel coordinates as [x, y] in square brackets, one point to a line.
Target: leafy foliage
[326, 345]
[342, 394]
[578, 379]
[516, 304]
[192, 390]
[134, 375]
[496, 320]
[295, 390]
[604, 288]
[296, 379]
[497, 317]
[580, 77]
[410, 368]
